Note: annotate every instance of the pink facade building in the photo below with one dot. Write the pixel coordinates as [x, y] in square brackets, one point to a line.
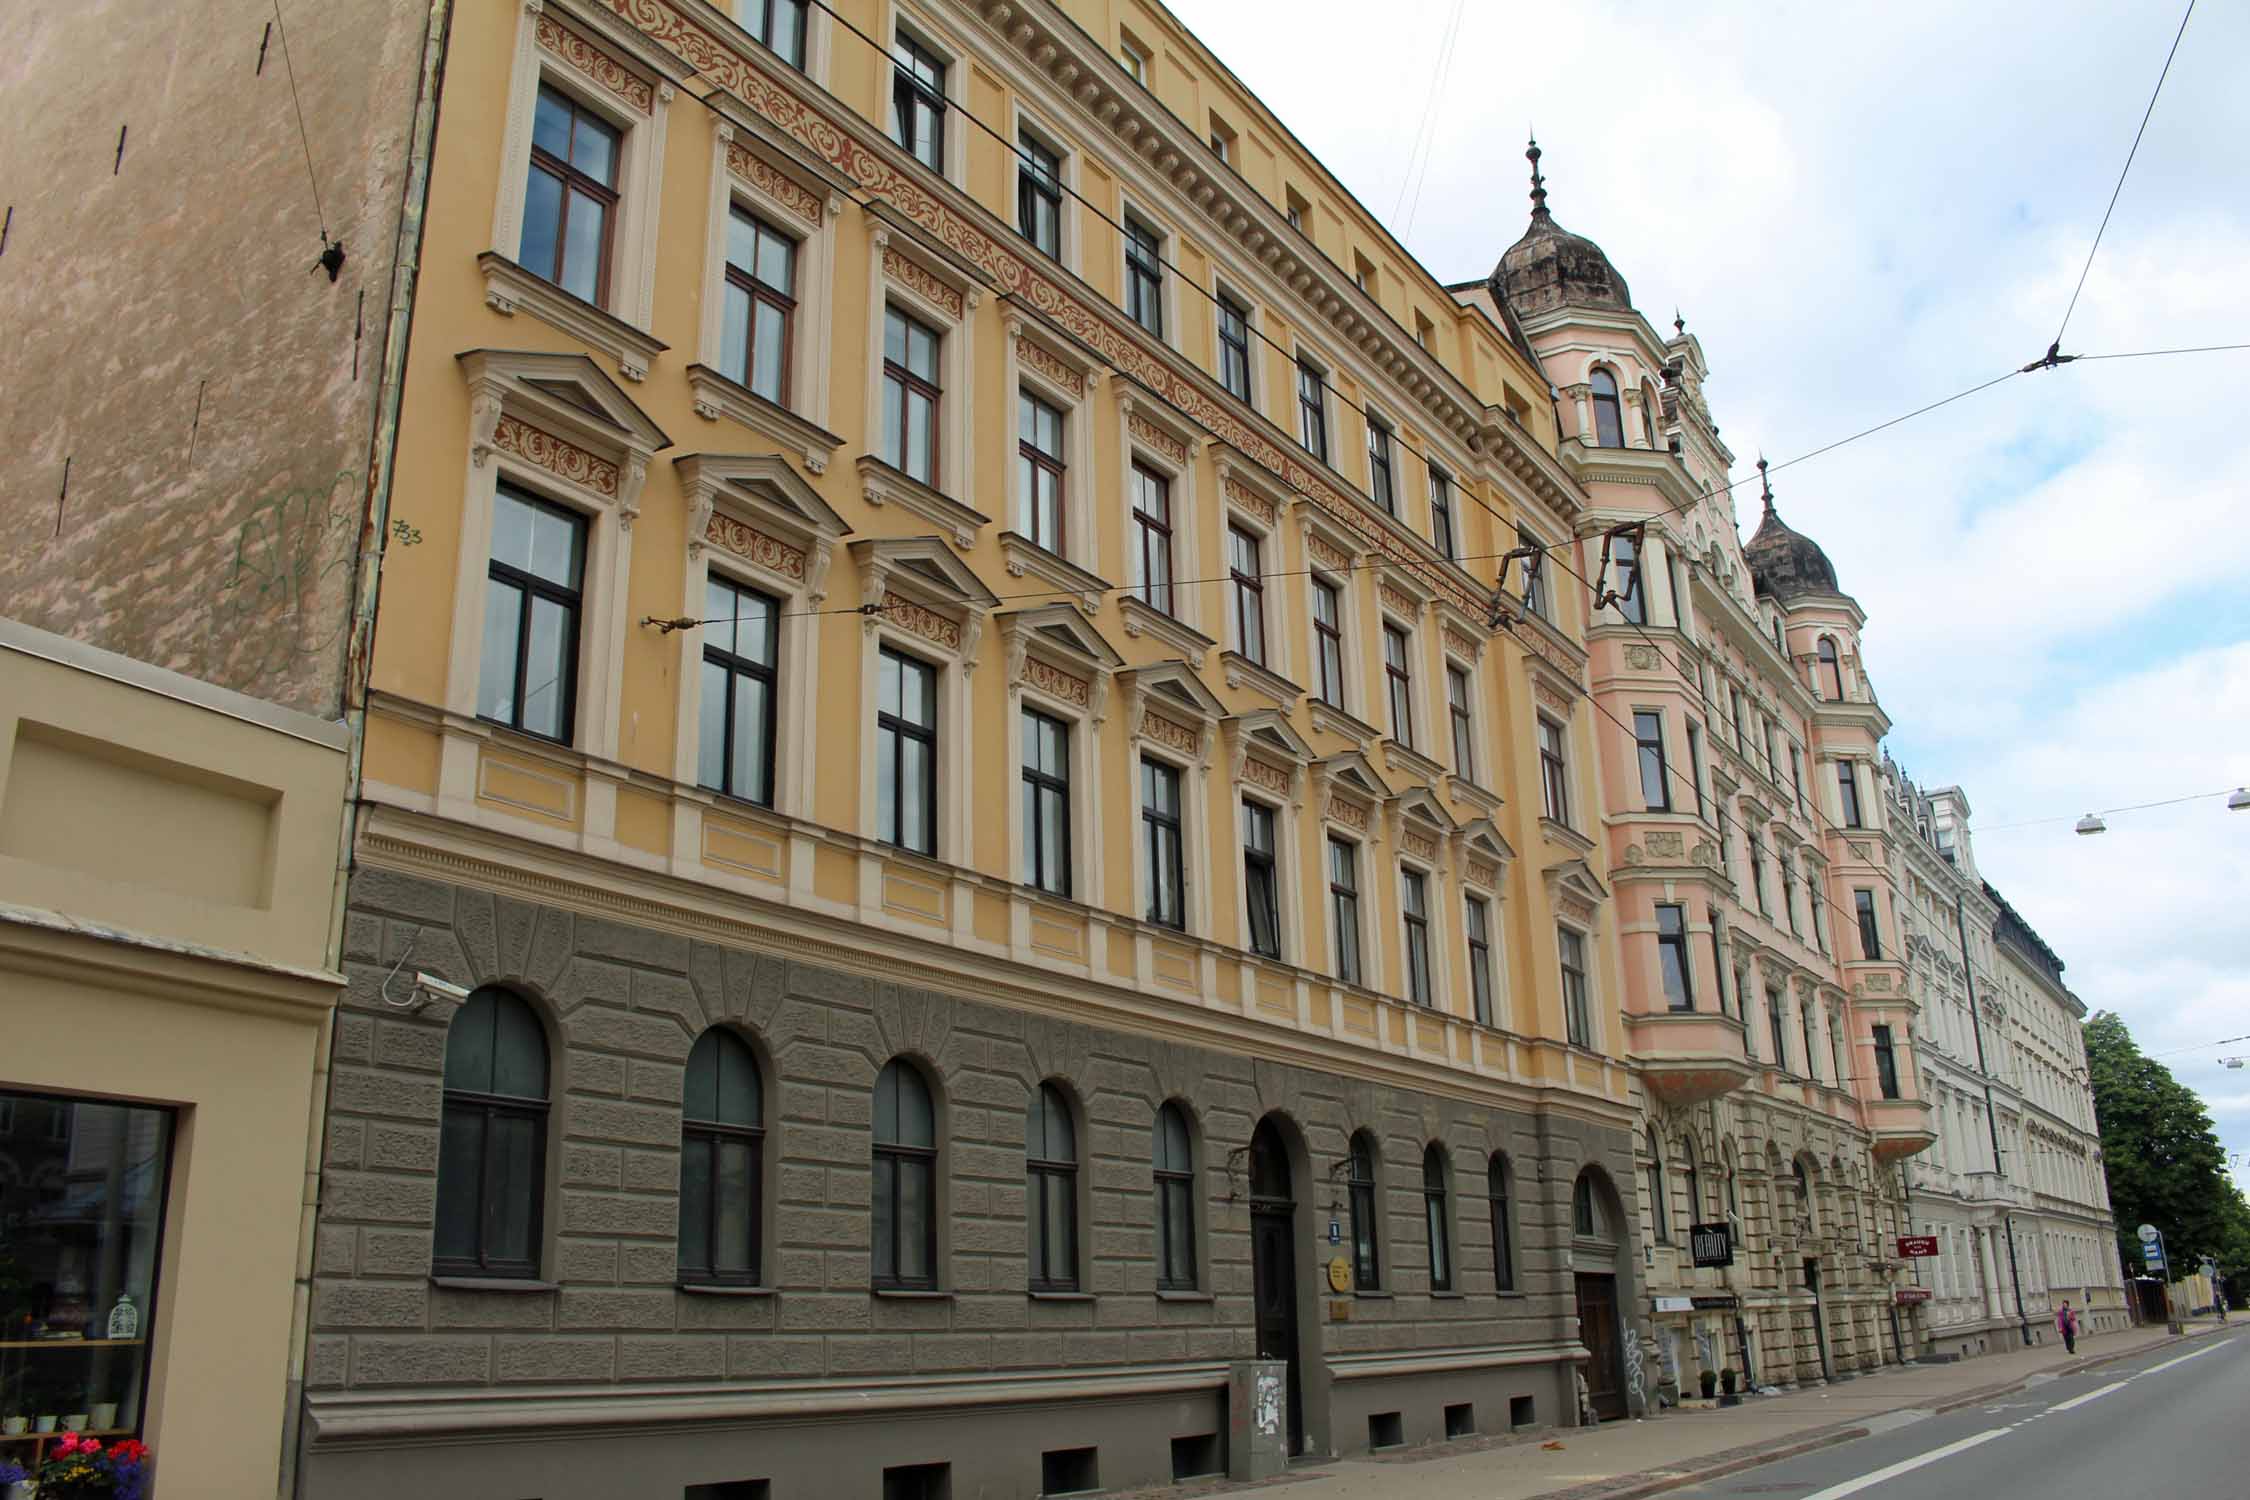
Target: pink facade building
[1765, 999]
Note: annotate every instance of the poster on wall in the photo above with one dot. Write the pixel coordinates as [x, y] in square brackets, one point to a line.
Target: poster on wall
[1712, 1244]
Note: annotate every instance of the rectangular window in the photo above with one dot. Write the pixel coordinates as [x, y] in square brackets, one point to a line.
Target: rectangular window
[1260, 880]
[1695, 762]
[1870, 940]
[1234, 347]
[1464, 735]
[906, 752]
[1046, 802]
[82, 1190]
[1312, 409]
[1758, 870]
[1814, 901]
[1295, 210]
[1740, 740]
[1039, 196]
[1328, 643]
[1144, 276]
[1534, 575]
[918, 101]
[736, 752]
[1414, 902]
[1380, 483]
[1789, 893]
[1773, 765]
[570, 198]
[1479, 918]
[1718, 962]
[1777, 1024]
[761, 305]
[528, 678]
[1039, 454]
[1648, 737]
[1343, 907]
[1672, 956]
[1398, 673]
[1804, 1023]
[780, 24]
[1135, 61]
[1632, 593]
[1554, 772]
[1578, 1011]
[910, 396]
[1847, 789]
[1152, 530]
[1160, 832]
[1797, 776]
[1441, 512]
[1247, 584]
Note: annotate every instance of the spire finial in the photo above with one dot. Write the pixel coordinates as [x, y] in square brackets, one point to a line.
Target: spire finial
[1765, 484]
[1679, 324]
[1538, 183]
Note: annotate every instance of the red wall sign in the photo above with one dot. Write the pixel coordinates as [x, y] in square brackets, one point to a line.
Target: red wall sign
[1908, 1296]
[1917, 1246]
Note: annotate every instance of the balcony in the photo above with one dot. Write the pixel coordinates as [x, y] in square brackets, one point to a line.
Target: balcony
[1687, 1056]
[1901, 1127]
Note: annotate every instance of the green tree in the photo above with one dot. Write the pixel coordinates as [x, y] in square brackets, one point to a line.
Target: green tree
[2162, 1157]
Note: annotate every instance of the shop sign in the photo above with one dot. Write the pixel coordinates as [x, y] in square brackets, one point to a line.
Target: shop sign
[1917, 1246]
[1712, 1244]
[1908, 1296]
[1674, 1304]
[1715, 1303]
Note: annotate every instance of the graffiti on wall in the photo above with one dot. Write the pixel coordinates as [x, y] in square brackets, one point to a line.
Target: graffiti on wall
[284, 593]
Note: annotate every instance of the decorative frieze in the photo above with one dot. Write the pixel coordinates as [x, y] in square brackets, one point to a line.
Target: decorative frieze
[779, 186]
[1038, 359]
[747, 541]
[1055, 682]
[922, 621]
[557, 456]
[1326, 555]
[1484, 873]
[1550, 695]
[916, 277]
[1351, 814]
[1459, 644]
[1665, 842]
[1272, 778]
[1574, 906]
[1421, 845]
[1148, 433]
[1251, 501]
[595, 63]
[1396, 601]
[1171, 735]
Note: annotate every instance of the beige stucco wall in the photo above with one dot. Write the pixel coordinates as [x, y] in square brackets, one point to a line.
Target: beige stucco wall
[168, 954]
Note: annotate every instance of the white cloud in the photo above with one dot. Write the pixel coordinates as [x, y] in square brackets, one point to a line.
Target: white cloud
[1856, 219]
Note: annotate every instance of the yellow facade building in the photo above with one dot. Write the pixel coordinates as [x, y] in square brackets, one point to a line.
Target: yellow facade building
[938, 734]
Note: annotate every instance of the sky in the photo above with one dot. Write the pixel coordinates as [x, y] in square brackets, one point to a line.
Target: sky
[1859, 212]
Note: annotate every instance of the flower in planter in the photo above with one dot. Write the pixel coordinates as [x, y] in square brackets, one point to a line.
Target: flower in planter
[80, 1468]
[11, 1473]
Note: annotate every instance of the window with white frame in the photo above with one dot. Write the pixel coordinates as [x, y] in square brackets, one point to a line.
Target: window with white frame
[1464, 722]
[906, 751]
[1163, 850]
[1152, 538]
[736, 747]
[1441, 512]
[570, 196]
[1144, 275]
[918, 100]
[1261, 880]
[1046, 802]
[1312, 408]
[1534, 576]
[1477, 917]
[760, 305]
[1343, 907]
[1234, 347]
[1039, 195]
[1246, 589]
[1382, 481]
[1578, 1007]
[1041, 467]
[1414, 907]
[1554, 772]
[911, 395]
[1328, 642]
[780, 24]
[1398, 673]
[528, 678]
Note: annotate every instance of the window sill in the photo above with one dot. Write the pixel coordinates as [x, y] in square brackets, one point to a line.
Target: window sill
[1164, 1295]
[909, 1294]
[880, 484]
[1403, 758]
[1242, 672]
[1142, 618]
[723, 1289]
[1448, 1296]
[717, 396]
[508, 286]
[1060, 1296]
[1328, 716]
[1374, 1296]
[518, 1285]
[1021, 555]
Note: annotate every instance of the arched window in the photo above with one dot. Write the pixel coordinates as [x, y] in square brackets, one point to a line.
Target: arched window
[722, 1143]
[492, 1145]
[1434, 1218]
[1609, 422]
[1659, 1219]
[1585, 1212]
[1648, 412]
[1832, 669]
[1175, 1202]
[1804, 1191]
[1503, 1224]
[1366, 1265]
[1734, 1201]
[906, 1160]
[1051, 1158]
[1694, 1181]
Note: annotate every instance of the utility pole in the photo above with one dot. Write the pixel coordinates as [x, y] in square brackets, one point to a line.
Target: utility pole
[1991, 1115]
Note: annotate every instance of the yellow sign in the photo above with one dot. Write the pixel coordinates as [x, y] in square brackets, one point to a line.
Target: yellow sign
[1340, 1274]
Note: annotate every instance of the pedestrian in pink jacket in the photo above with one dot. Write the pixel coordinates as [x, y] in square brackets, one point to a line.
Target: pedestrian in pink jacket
[2066, 1323]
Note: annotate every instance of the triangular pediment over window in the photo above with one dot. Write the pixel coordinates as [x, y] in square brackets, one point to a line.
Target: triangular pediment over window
[569, 388]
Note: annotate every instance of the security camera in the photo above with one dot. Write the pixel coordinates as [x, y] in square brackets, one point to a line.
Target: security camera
[439, 988]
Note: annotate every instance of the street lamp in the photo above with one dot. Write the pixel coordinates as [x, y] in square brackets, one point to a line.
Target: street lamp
[2238, 800]
[2092, 824]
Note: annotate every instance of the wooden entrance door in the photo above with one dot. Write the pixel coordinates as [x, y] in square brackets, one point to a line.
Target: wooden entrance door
[1273, 1264]
[1597, 1330]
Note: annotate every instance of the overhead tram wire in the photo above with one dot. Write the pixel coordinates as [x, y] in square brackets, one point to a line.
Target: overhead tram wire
[2054, 350]
[2105, 811]
[1425, 137]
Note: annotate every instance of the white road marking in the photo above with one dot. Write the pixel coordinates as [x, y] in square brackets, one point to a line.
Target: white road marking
[2093, 1395]
[2183, 1359]
[1865, 1481]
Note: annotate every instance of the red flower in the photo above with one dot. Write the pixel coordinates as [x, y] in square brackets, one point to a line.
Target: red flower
[128, 1450]
[73, 1443]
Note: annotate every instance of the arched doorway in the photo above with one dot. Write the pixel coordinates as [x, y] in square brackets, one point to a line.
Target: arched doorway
[1595, 1225]
[1273, 1263]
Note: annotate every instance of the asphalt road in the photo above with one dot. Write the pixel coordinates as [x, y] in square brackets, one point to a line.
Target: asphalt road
[2170, 1424]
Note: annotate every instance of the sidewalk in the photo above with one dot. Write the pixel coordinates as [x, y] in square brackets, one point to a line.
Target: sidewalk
[1622, 1460]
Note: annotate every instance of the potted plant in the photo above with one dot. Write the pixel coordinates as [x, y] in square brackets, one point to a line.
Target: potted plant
[1708, 1379]
[81, 1468]
[1726, 1386]
[12, 1477]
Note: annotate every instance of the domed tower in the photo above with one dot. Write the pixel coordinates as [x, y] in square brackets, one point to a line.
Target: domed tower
[1785, 564]
[1551, 268]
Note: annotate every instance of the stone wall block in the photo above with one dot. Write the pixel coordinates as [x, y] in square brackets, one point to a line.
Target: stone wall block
[616, 1213]
[648, 1264]
[408, 1046]
[835, 1066]
[587, 1262]
[346, 1145]
[362, 1197]
[402, 1148]
[552, 939]
[800, 1268]
[752, 1356]
[672, 1358]
[355, 1037]
[655, 1081]
[629, 1124]
[643, 947]
[1000, 1311]
[800, 1184]
[474, 929]
[850, 1187]
[394, 1252]
[363, 936]
[586, 982]
[366, 1091]
[652, 1171]
[326, 1366]
[451, 1307]
[595, 1073]
[512, 924]
[670, 995]
[335, 1250]
[723, 1313]
[619, 1031]
[809, 1227]
[869, 1355]
[849, 1268]
[369, 1304]
[378, 890]
[906, 1314]
[544, 1359]
[826, 1312]
[420, 1360]
[591, 1166]
[589, 1308]
[834, 986]
[953, 1352]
